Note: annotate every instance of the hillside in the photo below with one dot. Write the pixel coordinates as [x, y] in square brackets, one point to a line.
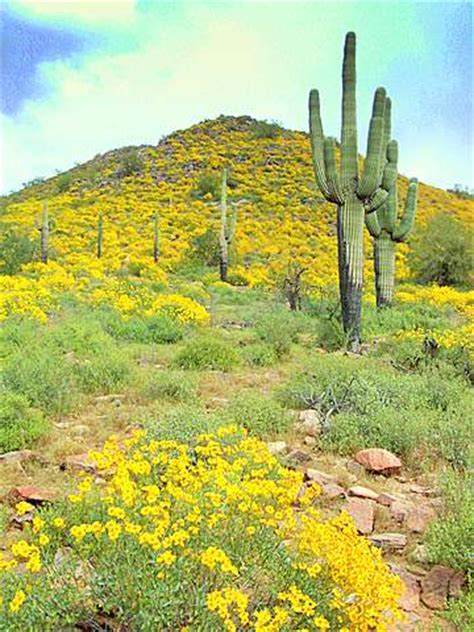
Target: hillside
[281, 214]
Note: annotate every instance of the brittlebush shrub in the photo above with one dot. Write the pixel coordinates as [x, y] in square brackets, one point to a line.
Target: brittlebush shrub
[211, 535]
[207, 352]
[20, 425]
[442, 252]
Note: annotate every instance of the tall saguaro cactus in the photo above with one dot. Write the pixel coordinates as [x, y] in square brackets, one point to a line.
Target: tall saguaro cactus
[353, 193]
[227, 231]
[44, 233]
[100, 235]
[156, 237]
[387, 231]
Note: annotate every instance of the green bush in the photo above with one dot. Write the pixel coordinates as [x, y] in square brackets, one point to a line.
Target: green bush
[206, 352]
[209, 183]
[174, 385]
[450, 538]
[159, 329]
[15, 251]
[103, 372]
[260, 414]
[205, 248]
[279, 329]
[183, 423]
[20, 425]
[259, 354]
[43, 376]
[266, 129]
[131, 163]
[442, 252]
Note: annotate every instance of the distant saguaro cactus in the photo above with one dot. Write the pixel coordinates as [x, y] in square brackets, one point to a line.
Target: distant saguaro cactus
[44, 233]
[387, 231]
[227, 231]
[156, 237]
[354, 195]
[100, 235]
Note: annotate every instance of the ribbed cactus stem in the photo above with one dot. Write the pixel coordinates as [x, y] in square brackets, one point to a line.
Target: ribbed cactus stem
[156, 237]
[100, 235]
[223, 236]
[44, 233]
[384, 265]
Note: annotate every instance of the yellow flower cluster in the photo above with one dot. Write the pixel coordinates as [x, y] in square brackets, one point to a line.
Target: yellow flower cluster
[462, 301]
[200, 510]
[461, 337]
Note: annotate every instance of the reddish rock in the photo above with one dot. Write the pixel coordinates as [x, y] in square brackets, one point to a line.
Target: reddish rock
[79, 462]
[299, 456]
[399, 510]
[331, 490]
[20, 456]
[363, 492]
[410, 600]
[310, 422]
[435, 587]
[310, 441]
[33, 495]
[379, 461]
[363, 514]
[419, 517]
[386, 499]
[389, 541]
[421, 489]
[456, 585]
[318, 476]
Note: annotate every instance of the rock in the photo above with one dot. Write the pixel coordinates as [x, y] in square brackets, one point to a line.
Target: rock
[435, 587]
[79, 463]
[420, 554]
[363, 492]
[277, 447]
[389, 541]
[112, 397]
[399, 510]
[362, 512]
[332, 490]
[310, 441]
[456, 585]
[410, 600]
[33, 495]
[386, 499]
[354, 468]
[310, 422]
[419, 517]
[421, 489]
[299, 456]
[379, 461]
[318, 476]
[20, 456]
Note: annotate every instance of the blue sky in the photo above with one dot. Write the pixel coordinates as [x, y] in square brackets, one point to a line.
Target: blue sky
[80, 78]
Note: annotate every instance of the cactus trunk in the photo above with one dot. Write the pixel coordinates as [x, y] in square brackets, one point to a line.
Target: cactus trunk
[384, 265]
[156, 239]
[44, 234]
[350, 228]
[224, 237]
[100, 236]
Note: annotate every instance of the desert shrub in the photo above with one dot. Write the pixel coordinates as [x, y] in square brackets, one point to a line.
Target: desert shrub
[450, 538]
[159, 329]
[20, 425]
[64, 181]
[266, 129]
[208, 184]
[460, 612]
[18, 332]
[206, 352]
[259, 414]
[103, 372]
[182, 423]
[80, 334]
[259, 354]
[196, 549]
[174, 385]
[279, 329]
[205, 248]
[442, 252]
[238, 279]
[402, 317]
[43, 375]
[130, 164]
[15, 251]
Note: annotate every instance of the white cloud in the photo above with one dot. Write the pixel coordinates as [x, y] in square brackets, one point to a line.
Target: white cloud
[87, 12]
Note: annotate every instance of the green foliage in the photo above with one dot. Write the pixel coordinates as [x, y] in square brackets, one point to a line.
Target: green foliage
[15, 251]
[442, 252]
[160, 329]
[183, 423]
[208, 183]
[266, 129]
[205, 248]
[173, 385]
[103, 372]
[260, 414]
[279, 329]
[237, 279]
[259, 354]
[460, 612]
[20, 425]
[207, 352]
[450, 538]
[131, 163]
[64, 182]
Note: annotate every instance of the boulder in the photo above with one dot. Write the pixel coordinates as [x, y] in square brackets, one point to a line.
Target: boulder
[362, 513]
[389, 541]
[419, 517]
[379, 461]
[435, 587]
[33, 495]
[363, 492]
[332, 490]
[79, 463]
[310, 422]
[318, 476]
[399, 510]
[410, 600]
[277, 447]
[21, 456]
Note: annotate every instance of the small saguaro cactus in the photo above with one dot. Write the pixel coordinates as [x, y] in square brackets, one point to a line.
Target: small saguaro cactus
[156, 237]
[44, 233]
[100, 235]
[227, 231]
[354, 194]
[387, 230]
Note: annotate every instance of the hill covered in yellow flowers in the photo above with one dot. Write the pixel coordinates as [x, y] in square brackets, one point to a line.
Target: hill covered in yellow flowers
[281, 214]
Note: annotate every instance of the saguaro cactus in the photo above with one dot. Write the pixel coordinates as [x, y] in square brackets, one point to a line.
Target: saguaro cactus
[156, 237]
[100, 235]
[387, 231]
[44, 233]
[227, 231]
[354, 195]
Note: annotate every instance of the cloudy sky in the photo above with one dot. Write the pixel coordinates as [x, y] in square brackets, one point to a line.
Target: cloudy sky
[80, 78]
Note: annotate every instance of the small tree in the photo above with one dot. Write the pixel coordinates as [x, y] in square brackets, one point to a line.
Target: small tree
[292, 286]
[442, 252]
[15, 251]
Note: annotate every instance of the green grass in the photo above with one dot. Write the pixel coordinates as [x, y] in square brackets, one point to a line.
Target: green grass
[178, 386]
[260, 414]
[207, 352]
[20, 425]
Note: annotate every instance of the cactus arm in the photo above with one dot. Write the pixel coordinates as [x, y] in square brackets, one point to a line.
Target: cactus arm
[349, 168]
[333, 179]
[317, 144]
[372, 224]
[402, 230]
[375, 201]
[370, 179]
[156, 238]
[390, 172]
